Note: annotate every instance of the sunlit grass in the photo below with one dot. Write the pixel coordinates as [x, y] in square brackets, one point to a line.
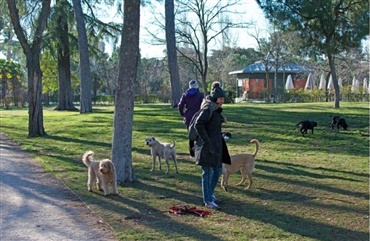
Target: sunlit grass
[305, 188]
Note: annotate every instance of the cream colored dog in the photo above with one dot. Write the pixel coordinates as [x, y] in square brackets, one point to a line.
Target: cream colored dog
[161, 149]
[244, 163]
[102, 172]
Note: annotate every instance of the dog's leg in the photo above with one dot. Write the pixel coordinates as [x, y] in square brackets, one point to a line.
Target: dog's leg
[153, 164]
[114, 186]
[105, 187]
[168, 166]
[243, 171]
[99, 184]
[224, 181]
[91, 179]
[250, 179]
[304, 132]
[175, 161]
[159, 163]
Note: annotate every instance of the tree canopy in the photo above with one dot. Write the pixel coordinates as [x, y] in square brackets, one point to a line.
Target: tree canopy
[326, 26]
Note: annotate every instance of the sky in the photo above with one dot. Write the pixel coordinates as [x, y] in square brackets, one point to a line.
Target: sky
[252, 13]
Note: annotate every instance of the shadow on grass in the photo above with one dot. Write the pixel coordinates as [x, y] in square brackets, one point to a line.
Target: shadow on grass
[317, 185]
[293, 224]
[78, 141]
[157, 220]
[144, 214]
[316, 168]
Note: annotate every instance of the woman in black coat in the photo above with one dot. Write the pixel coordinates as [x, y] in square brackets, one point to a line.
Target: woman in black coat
[210, 148]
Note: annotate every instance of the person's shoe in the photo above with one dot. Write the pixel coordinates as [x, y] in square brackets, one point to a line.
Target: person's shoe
[212, 205]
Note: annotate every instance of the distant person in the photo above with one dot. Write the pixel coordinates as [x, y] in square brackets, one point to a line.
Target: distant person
[189, 104]
[210, 148]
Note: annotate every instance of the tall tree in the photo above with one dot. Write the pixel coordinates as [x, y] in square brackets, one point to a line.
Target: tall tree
[124, 104]
[328, 27]
[85, 98]
[171, 52]
[32, 52]
[65, 95]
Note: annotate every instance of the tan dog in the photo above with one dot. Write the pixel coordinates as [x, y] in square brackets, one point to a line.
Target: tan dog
[161, 149]
[244, 163]
[102, 172]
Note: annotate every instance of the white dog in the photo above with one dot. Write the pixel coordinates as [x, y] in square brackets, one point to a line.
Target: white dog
[102, 172]
[164, 150]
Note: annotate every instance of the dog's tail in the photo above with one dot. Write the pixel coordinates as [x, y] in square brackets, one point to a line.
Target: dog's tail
[88, 158]
[255, 141]
[174, 143]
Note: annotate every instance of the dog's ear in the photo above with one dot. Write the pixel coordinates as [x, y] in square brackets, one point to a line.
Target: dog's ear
[153, 138]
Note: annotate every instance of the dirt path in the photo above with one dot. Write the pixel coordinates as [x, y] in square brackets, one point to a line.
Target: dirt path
[36, 206]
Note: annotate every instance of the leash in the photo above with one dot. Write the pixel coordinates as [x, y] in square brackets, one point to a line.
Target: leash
[184, 209]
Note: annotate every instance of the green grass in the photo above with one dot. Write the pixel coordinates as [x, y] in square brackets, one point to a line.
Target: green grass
[305, 188]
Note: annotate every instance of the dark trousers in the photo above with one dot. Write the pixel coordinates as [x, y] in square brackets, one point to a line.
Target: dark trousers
[191, 145]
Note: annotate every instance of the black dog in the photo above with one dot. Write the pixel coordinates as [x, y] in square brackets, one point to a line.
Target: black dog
[338, 121]
[307, 125]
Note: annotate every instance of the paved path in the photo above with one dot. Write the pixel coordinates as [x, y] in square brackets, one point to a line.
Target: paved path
[36, 206]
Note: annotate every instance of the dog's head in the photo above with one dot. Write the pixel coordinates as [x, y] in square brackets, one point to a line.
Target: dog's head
[344, 125]
[149, 141]
[105, 167]
[314, 123]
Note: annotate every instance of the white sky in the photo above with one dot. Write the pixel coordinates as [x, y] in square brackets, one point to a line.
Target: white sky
[252, 13]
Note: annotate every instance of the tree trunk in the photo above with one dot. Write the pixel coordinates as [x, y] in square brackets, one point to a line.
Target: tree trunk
[204, 83]
[124, 104]
[171, 53]
[335, 81]
[15, 87]
[85, 98]
[32, 52]
[3, 89]
[65, 97]
[267, 81]
[35, 113]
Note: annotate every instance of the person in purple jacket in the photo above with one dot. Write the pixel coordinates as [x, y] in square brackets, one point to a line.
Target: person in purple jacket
[189, 104]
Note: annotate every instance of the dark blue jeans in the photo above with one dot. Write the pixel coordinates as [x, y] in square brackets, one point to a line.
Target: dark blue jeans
[210, 176]
[191, 145]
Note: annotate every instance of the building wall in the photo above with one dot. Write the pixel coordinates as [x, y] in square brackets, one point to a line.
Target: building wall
[299, 83]
[256, 88]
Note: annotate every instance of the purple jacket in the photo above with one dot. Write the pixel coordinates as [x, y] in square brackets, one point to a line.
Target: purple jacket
[189, 104]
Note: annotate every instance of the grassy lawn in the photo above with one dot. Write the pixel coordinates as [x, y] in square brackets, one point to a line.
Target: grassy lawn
[305, 188]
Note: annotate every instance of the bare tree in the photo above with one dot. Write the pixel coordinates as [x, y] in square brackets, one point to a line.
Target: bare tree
[124, 104]
[171, 52]
[32, 52]
[264, 49]
[198, 24]
[85, 98]
[204, 22]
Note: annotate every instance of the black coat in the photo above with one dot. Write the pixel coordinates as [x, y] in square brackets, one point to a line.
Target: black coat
[210, 148]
